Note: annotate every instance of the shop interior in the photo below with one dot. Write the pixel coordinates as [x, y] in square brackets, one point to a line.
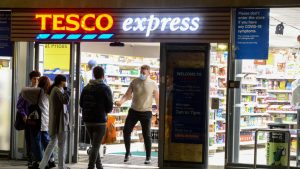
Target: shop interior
[121, 64]
[266, 96]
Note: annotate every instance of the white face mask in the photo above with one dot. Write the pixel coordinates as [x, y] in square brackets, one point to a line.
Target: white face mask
[143, 77]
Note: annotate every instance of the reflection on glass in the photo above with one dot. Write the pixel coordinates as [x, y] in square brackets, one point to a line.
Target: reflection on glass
[5, 102]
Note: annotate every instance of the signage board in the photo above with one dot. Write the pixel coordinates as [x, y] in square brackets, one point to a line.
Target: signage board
[5, 42]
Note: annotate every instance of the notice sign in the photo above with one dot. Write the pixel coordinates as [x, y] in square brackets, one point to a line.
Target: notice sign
[252, 33]
[188, 107]
[5, 43]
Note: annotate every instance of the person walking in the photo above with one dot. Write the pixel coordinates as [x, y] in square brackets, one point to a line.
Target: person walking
[96, 102]
[58, 121]
[39, 135]
[22, 108]
[141, 90]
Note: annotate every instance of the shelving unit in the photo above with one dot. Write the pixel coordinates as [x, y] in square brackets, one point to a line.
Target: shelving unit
[271, 90]
[119, 72]
[217, 122]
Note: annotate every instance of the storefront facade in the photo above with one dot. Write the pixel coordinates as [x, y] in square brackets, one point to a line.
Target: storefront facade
[185, 36]
[187, 28]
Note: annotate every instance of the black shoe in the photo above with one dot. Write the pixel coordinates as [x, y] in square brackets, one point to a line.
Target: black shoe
[35, 165]
[148, 160]
[99, 166]
[51, 164]
[126, 159]
[29, 165]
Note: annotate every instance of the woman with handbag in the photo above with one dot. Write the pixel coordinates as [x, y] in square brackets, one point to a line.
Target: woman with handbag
[58, 121]
[38, 119]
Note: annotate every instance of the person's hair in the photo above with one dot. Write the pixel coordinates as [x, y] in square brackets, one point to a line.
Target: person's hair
[57, 81]
[98, 72]
[44, 83]
[34, 73]
[147, 67]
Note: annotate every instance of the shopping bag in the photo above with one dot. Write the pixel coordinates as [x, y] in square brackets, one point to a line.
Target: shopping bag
[19, 123]
[110, 134]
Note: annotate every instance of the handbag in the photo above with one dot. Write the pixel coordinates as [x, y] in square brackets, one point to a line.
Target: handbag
[19, 123]
[34, 117]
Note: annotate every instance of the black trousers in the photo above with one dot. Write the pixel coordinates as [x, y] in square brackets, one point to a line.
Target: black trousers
[145, 119]
[96, 133]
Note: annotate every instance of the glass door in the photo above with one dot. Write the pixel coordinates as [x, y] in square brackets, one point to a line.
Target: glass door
[63, 58]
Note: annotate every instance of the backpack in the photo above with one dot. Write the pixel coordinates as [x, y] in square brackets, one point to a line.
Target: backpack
[34, 115]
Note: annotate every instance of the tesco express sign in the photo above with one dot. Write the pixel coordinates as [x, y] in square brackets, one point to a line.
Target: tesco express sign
[152, 23]
[91, 22]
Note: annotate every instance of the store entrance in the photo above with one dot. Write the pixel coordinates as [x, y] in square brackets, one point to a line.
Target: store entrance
[122, 63]
[61, 58]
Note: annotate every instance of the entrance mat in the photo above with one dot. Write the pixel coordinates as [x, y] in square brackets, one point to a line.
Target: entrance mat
[138, 153]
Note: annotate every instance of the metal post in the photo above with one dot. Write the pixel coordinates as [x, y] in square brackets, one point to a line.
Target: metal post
[76, 104]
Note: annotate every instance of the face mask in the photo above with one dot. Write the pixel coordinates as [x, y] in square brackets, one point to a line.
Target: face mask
[143, 77]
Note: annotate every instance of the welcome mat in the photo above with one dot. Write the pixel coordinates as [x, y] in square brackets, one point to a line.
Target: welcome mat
[138, 153]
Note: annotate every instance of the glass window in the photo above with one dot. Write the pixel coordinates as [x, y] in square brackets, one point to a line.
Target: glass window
[5, 102]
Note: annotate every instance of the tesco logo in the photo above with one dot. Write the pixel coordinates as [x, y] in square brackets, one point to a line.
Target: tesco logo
[75, 22]
[153, 23]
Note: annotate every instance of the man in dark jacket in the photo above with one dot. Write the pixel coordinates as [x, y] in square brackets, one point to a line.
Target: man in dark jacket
[96, 102]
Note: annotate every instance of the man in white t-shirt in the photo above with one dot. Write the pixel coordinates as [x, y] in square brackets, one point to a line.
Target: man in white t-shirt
[141, 91]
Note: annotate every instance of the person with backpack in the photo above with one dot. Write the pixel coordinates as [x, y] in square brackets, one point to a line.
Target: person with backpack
[38, 119]
[22, 111]
[96, 102]
[59, 98]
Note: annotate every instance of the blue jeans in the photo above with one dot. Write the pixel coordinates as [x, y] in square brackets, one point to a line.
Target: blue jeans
[28, 144]
[40, 141]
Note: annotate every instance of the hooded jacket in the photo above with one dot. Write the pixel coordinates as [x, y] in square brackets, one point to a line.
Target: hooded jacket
[31, 95]
[96, 102]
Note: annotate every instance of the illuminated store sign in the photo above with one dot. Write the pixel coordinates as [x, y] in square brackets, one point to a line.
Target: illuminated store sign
[163, 24]
[95, 26]
[74, 22]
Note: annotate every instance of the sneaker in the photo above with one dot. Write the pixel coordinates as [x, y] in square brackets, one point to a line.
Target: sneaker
[147, 161]
[51, 164]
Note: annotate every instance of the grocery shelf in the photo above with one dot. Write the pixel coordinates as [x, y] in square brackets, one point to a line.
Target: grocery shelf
[118, 83]
[117, 114]
[254, 114]
[220, 131]
[119, 125]
[122, 75]
[249, 83]
[284, 122]
[252, 142]
[278, 101]
[279, 91]
[220, 119]
[248, 94]
[132, 138]
[281, 111]
[260, 88]
[253, 127]
[261, 97]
